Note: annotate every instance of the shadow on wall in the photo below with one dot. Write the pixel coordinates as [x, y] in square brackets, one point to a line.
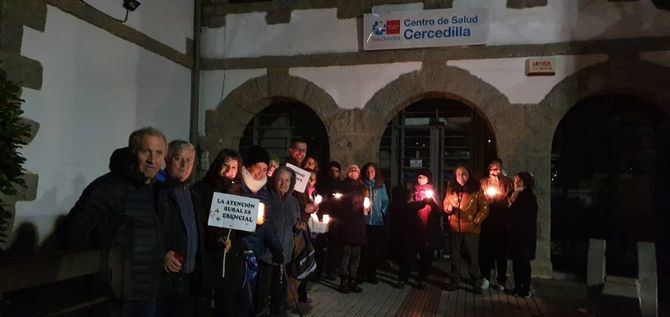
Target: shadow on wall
[26, 237]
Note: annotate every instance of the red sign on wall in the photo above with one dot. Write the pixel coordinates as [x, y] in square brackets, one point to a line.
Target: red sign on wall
[392, 26]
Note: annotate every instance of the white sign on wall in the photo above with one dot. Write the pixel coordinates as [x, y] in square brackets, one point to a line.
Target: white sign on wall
[543, 66]
[426, 28]
[233, 212]
[301, 178]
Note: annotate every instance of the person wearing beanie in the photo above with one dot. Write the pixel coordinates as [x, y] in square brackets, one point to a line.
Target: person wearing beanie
[349, 227]
[422, 232]
[254, 184]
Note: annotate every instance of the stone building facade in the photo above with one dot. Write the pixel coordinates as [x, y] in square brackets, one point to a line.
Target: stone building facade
[241, 79]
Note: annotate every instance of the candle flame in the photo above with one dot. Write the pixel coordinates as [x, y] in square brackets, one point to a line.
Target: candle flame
[429, 193]
[337, 195]
[261, 214]
[366, 203]
[318, 199]
[491, 191]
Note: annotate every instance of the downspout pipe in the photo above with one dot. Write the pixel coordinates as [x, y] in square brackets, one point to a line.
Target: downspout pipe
[195, 74]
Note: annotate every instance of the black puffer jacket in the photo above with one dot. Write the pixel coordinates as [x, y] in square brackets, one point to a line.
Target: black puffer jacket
[114, 199]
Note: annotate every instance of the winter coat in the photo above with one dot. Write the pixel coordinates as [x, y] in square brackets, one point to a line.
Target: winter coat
[174, 232]
[117, 198]
[349, 220]
[379, 203]
[496, 222]
[212, 249]
[282, 218]
[469, 210]
[522, 229]
[422, 220]
[264, 237]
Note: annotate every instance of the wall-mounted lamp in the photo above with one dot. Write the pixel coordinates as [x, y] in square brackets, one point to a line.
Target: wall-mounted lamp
[131, 5]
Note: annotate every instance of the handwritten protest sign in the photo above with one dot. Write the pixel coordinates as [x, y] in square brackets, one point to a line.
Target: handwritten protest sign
[301, 177]
[233, 212]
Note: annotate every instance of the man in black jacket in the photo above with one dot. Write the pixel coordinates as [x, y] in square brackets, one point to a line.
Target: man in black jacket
[125, 197]
[180, 233]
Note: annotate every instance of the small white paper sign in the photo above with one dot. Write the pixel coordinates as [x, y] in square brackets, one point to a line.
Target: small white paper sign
[415, 163]
[301, 177]
[233, 212]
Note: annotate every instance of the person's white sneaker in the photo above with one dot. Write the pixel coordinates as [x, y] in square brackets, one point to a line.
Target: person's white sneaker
[485, 283]
[499, 287]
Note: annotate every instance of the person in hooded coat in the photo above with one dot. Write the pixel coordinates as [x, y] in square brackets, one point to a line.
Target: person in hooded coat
[422, 232]
[282, 220]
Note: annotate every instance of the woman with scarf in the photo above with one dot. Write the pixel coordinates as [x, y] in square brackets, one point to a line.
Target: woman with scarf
[254, 184]
[373, 180]
[467, 208]
[422, 231]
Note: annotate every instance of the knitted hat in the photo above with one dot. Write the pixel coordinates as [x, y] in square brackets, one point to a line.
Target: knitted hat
[425, 172]
[256, 154]
[335, 164]
[353, 167]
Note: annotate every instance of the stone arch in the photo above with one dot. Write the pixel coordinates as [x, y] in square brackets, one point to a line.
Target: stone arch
[224, 125]
[627, 76]
[436, 80]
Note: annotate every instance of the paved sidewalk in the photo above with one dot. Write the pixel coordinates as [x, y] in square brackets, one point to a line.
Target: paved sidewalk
[550, 298]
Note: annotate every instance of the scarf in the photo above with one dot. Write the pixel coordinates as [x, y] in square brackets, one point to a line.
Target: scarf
[251, 183]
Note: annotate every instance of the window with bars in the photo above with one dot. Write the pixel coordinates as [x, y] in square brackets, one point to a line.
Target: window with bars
[277, 125]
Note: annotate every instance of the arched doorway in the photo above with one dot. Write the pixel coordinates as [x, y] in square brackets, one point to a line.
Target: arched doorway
[283, 121]
[610, 161]
[438, 134]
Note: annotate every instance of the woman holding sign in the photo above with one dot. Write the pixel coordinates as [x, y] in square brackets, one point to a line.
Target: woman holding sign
[230, 297]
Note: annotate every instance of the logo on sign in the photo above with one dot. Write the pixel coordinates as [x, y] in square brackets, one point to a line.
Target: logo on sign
[388, 27]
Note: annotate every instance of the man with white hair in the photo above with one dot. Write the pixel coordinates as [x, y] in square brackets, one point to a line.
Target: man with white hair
[179, 232]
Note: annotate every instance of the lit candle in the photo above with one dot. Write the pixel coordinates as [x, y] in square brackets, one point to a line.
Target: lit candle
[337, 195]
[326, 218]
[491, 191]
[261, 214]
[429, 193]
[366, 203]
[318, 199]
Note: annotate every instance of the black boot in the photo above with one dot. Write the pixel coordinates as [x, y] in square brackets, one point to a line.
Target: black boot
[353, 286]
[344, 285]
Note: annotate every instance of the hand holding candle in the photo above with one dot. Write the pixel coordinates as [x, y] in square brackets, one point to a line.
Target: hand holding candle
[261, 214]
[366, 206]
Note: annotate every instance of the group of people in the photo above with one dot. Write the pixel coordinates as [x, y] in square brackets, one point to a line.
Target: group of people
[178, 265]
[482, 224]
